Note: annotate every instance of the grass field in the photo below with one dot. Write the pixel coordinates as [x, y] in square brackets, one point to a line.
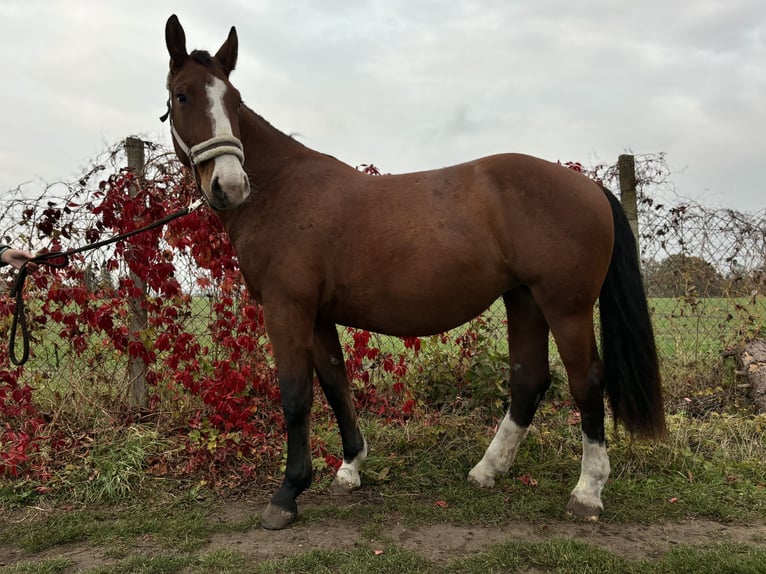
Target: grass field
[694, 332]
[696, 503]
[685, 332]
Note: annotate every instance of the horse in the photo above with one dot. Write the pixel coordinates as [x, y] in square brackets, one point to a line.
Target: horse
[322, 244]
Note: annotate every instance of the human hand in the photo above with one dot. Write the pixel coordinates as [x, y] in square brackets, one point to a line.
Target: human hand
[17, 258]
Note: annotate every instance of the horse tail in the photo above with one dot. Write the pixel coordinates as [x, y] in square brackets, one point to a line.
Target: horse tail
[631, 367]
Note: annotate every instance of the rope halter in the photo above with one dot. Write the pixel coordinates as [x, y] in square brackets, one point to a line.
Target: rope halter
[208, 149]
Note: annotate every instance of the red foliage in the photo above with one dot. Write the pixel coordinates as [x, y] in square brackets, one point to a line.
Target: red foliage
[222, 370]
[224, 366]
[22, 430]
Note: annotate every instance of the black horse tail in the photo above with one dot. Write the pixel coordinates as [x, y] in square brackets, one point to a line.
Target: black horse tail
[631, 367]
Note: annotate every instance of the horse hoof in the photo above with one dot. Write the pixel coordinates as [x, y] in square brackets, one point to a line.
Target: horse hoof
[481, 480]
[584, 510]
[276, 518]
[341, 488]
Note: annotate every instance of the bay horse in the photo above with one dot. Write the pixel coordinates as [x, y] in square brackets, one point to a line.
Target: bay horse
[320, 243]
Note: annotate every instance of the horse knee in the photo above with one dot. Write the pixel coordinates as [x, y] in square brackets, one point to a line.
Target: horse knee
[297, 394]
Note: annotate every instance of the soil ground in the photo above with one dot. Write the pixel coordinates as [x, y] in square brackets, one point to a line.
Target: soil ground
[437, 542]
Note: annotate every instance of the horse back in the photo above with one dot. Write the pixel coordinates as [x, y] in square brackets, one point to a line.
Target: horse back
[423, 252]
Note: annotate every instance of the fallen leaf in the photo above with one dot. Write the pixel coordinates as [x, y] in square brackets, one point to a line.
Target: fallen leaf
[527, 480]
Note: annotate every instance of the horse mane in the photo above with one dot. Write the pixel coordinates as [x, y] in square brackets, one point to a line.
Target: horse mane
[202, 56]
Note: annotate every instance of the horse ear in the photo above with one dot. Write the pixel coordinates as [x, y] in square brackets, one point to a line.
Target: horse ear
[175, 39]
[227, 54]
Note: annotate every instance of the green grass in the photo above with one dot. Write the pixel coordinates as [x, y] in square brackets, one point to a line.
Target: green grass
[560, 556]
[702, 329]
[47, 566]
[179, 523]
[711, 468]
[565, 556]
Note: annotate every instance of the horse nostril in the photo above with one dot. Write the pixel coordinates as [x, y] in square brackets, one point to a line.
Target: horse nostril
[216, 189]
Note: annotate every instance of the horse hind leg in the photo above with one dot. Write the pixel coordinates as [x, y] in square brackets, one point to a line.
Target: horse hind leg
[577, 347]
[331, 372]
[530, 379]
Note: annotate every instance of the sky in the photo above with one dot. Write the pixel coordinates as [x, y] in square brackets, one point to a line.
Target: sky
[408, 85]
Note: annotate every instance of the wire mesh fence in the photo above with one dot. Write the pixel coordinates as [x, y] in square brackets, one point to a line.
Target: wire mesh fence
[704, 272]
[704, 269]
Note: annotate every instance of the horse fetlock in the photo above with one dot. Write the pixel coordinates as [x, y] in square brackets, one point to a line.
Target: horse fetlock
[277, 518]
[348, 479]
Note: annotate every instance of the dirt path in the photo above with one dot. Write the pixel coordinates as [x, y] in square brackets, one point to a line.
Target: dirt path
[445, 541]
[438, 542]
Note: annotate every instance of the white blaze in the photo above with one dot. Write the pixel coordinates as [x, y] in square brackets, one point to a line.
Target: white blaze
[227, 168]
[216, 90]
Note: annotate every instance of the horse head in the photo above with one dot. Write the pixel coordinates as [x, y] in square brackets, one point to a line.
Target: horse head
[203, 108]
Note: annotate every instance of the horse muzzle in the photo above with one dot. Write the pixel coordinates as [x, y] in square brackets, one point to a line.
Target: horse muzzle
[227, 186]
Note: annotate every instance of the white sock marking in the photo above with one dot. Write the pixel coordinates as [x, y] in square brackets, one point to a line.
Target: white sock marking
[594, 473]
[500, 453]
[348, 473]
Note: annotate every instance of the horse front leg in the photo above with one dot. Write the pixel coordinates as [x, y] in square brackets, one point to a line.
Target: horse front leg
[331, 371]
[290, 333]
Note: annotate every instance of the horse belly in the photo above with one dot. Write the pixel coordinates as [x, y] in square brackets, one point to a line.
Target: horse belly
[415, 301]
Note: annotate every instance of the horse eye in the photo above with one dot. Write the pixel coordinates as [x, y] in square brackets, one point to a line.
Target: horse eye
[181, 98]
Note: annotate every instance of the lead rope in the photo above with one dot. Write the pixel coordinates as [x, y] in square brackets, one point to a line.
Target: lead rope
[59, 260]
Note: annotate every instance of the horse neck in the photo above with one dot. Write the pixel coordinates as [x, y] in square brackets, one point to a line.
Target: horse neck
[268, 153]
[267, 150]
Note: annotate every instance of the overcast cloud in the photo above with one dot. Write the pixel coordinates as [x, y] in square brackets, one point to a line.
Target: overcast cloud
[408, 85]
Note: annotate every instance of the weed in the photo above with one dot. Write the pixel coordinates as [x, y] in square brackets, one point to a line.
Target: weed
[49, 566]
[117, 469]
